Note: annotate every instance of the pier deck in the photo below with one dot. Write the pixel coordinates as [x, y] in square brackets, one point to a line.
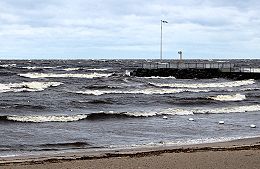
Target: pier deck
[191, 70]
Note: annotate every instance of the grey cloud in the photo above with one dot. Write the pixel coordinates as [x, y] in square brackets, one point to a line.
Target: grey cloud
[113, 24]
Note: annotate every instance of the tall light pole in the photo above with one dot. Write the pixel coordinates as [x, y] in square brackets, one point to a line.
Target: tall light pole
[162, 21]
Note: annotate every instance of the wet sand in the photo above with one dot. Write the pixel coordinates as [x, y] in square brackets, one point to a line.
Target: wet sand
[244, 154]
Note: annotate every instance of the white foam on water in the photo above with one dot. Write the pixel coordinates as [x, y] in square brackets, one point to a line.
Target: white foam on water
[181, 142]
[230, 109]
[68, 75]
[236, 97]
[99, 69]
[8, 65]
[207, 85]
[10, 155]
[46, 118]
[199, 110]
[36, 67]
[175, 111]
[27, 86]
[4, 87]
[163, 113]
[133, 114]
[141, 114]
[157, 77]
[201, 141]
[148, 91]
[127, 73]
[72, 69]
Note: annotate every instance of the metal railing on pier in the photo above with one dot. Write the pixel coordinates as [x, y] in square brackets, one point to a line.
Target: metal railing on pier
[222, 66]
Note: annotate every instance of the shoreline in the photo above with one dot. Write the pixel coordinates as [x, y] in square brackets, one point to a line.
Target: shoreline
[237, 147]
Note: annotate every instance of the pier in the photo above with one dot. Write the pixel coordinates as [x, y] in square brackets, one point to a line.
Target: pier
[199, 70]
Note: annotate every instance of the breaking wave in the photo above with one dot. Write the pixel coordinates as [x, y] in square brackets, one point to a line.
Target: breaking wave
[8, 65]
[122, 115]
[72, 69]
[203, 110]
[206, 85]
[148, 91]
[69, 75]
[82, 68]
[27, 86]
[45, 118]
[188, 111]
[157, 77]
[37, 67]
[99, 69]
[236, 97]
[199, 110]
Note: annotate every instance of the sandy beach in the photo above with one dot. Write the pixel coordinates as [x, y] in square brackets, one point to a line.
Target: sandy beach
[236, 154]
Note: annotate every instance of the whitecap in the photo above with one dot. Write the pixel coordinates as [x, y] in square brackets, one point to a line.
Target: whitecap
[236, 97]
[202, 110]
[201, 141]
[47, 118]
[163, 112]
[67, 75]
[9, 155]
[207, 85]
[127, 73]
[141, 114]
[27, 86]
[229, 109]
[158, 112]
[157, 77]
[8, 65]
[99, 69]
[36, 67]
[175, 111]
[72, 69]
[147, 91]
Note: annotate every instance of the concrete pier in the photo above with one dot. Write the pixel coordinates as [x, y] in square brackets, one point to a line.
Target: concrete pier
[197, 70]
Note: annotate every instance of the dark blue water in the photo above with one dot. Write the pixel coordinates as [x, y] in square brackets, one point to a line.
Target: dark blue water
[63, 105]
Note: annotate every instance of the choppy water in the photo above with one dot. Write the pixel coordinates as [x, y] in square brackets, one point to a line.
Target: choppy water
[49, 106]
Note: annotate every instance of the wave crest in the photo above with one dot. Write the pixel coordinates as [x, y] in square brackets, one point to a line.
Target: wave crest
[206, 85]
[236, 97]
[157, 77]
[27, 86]
[66, 75]
[148, 91]
[46, 118]
[122, 115]
[221, 110]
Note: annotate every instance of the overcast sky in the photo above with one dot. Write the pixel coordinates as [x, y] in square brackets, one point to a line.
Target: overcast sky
[129, 29]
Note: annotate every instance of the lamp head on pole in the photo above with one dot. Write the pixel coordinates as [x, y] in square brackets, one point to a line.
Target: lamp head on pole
[164, 21]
